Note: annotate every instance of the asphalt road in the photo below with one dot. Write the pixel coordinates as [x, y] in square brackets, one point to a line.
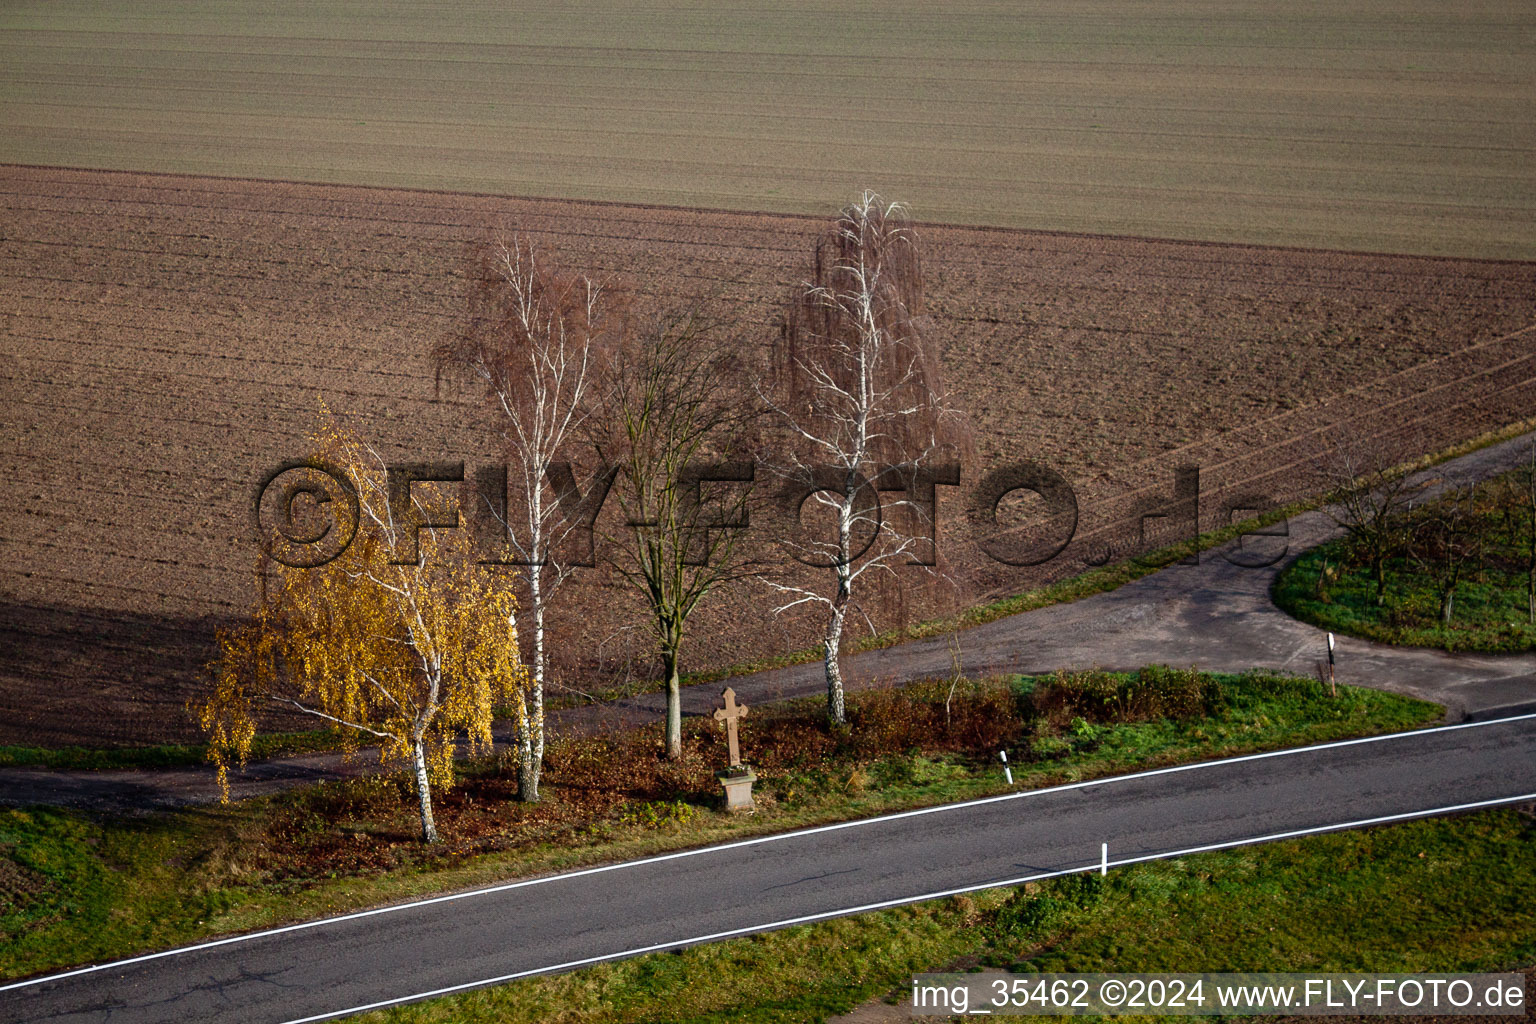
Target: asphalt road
[325, 968]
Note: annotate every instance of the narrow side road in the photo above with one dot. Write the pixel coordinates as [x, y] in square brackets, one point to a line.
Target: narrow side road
[1214, 615]
[317, 970]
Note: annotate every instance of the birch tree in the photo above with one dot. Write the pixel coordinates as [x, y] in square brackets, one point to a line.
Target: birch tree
[534, 340]
[409, 655]
[676, 427]
[859, 393]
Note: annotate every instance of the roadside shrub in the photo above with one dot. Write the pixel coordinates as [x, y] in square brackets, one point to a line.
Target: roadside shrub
[1092, 696]
[1084, 730]
[1102, 698]
[1163, 692]
[887, 720]
[654, 814]
[367, 796]
[935, 715]
[989, 719]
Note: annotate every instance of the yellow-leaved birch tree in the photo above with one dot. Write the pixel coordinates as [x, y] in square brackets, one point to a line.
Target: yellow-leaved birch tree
[409, 656]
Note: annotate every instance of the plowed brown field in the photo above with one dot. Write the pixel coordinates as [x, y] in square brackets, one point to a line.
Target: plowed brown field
[167, 340]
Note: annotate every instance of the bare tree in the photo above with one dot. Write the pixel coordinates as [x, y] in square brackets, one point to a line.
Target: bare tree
[1368, 496]
[676, 427]
[535, 338]
[860, 396]
[1447, 541]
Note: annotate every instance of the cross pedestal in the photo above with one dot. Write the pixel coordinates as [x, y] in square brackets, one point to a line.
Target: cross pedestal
[738, 788]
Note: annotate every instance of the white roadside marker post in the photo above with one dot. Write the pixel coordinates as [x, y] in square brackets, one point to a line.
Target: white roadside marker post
[1103, 859]
[1007, 771]
[1332, 689]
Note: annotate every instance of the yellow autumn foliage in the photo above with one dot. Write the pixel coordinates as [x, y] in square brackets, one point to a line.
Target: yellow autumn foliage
[410, 657]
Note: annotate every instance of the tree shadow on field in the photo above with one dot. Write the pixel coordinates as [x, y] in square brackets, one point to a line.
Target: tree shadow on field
[94, 677]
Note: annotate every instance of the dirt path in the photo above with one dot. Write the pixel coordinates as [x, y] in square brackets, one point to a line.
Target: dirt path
[1216, 615]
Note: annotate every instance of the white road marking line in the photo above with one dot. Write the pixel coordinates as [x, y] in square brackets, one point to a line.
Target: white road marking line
[754, 841]
[887, 904]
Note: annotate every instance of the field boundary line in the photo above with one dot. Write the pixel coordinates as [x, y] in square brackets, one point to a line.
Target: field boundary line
[817, 218]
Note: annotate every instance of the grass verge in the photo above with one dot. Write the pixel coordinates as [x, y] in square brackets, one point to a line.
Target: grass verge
[80, 889]
[163, 755]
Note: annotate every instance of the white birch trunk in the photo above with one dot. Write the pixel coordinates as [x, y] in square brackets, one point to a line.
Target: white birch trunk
[424, 792]
[531, 760]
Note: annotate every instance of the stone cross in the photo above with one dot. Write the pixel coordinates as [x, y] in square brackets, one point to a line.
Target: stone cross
[730, 715]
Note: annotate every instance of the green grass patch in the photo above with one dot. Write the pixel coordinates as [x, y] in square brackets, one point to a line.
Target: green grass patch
[1329, 588]
[1489, 614]
[1449, 894]
[163, 755]
[89, 889]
